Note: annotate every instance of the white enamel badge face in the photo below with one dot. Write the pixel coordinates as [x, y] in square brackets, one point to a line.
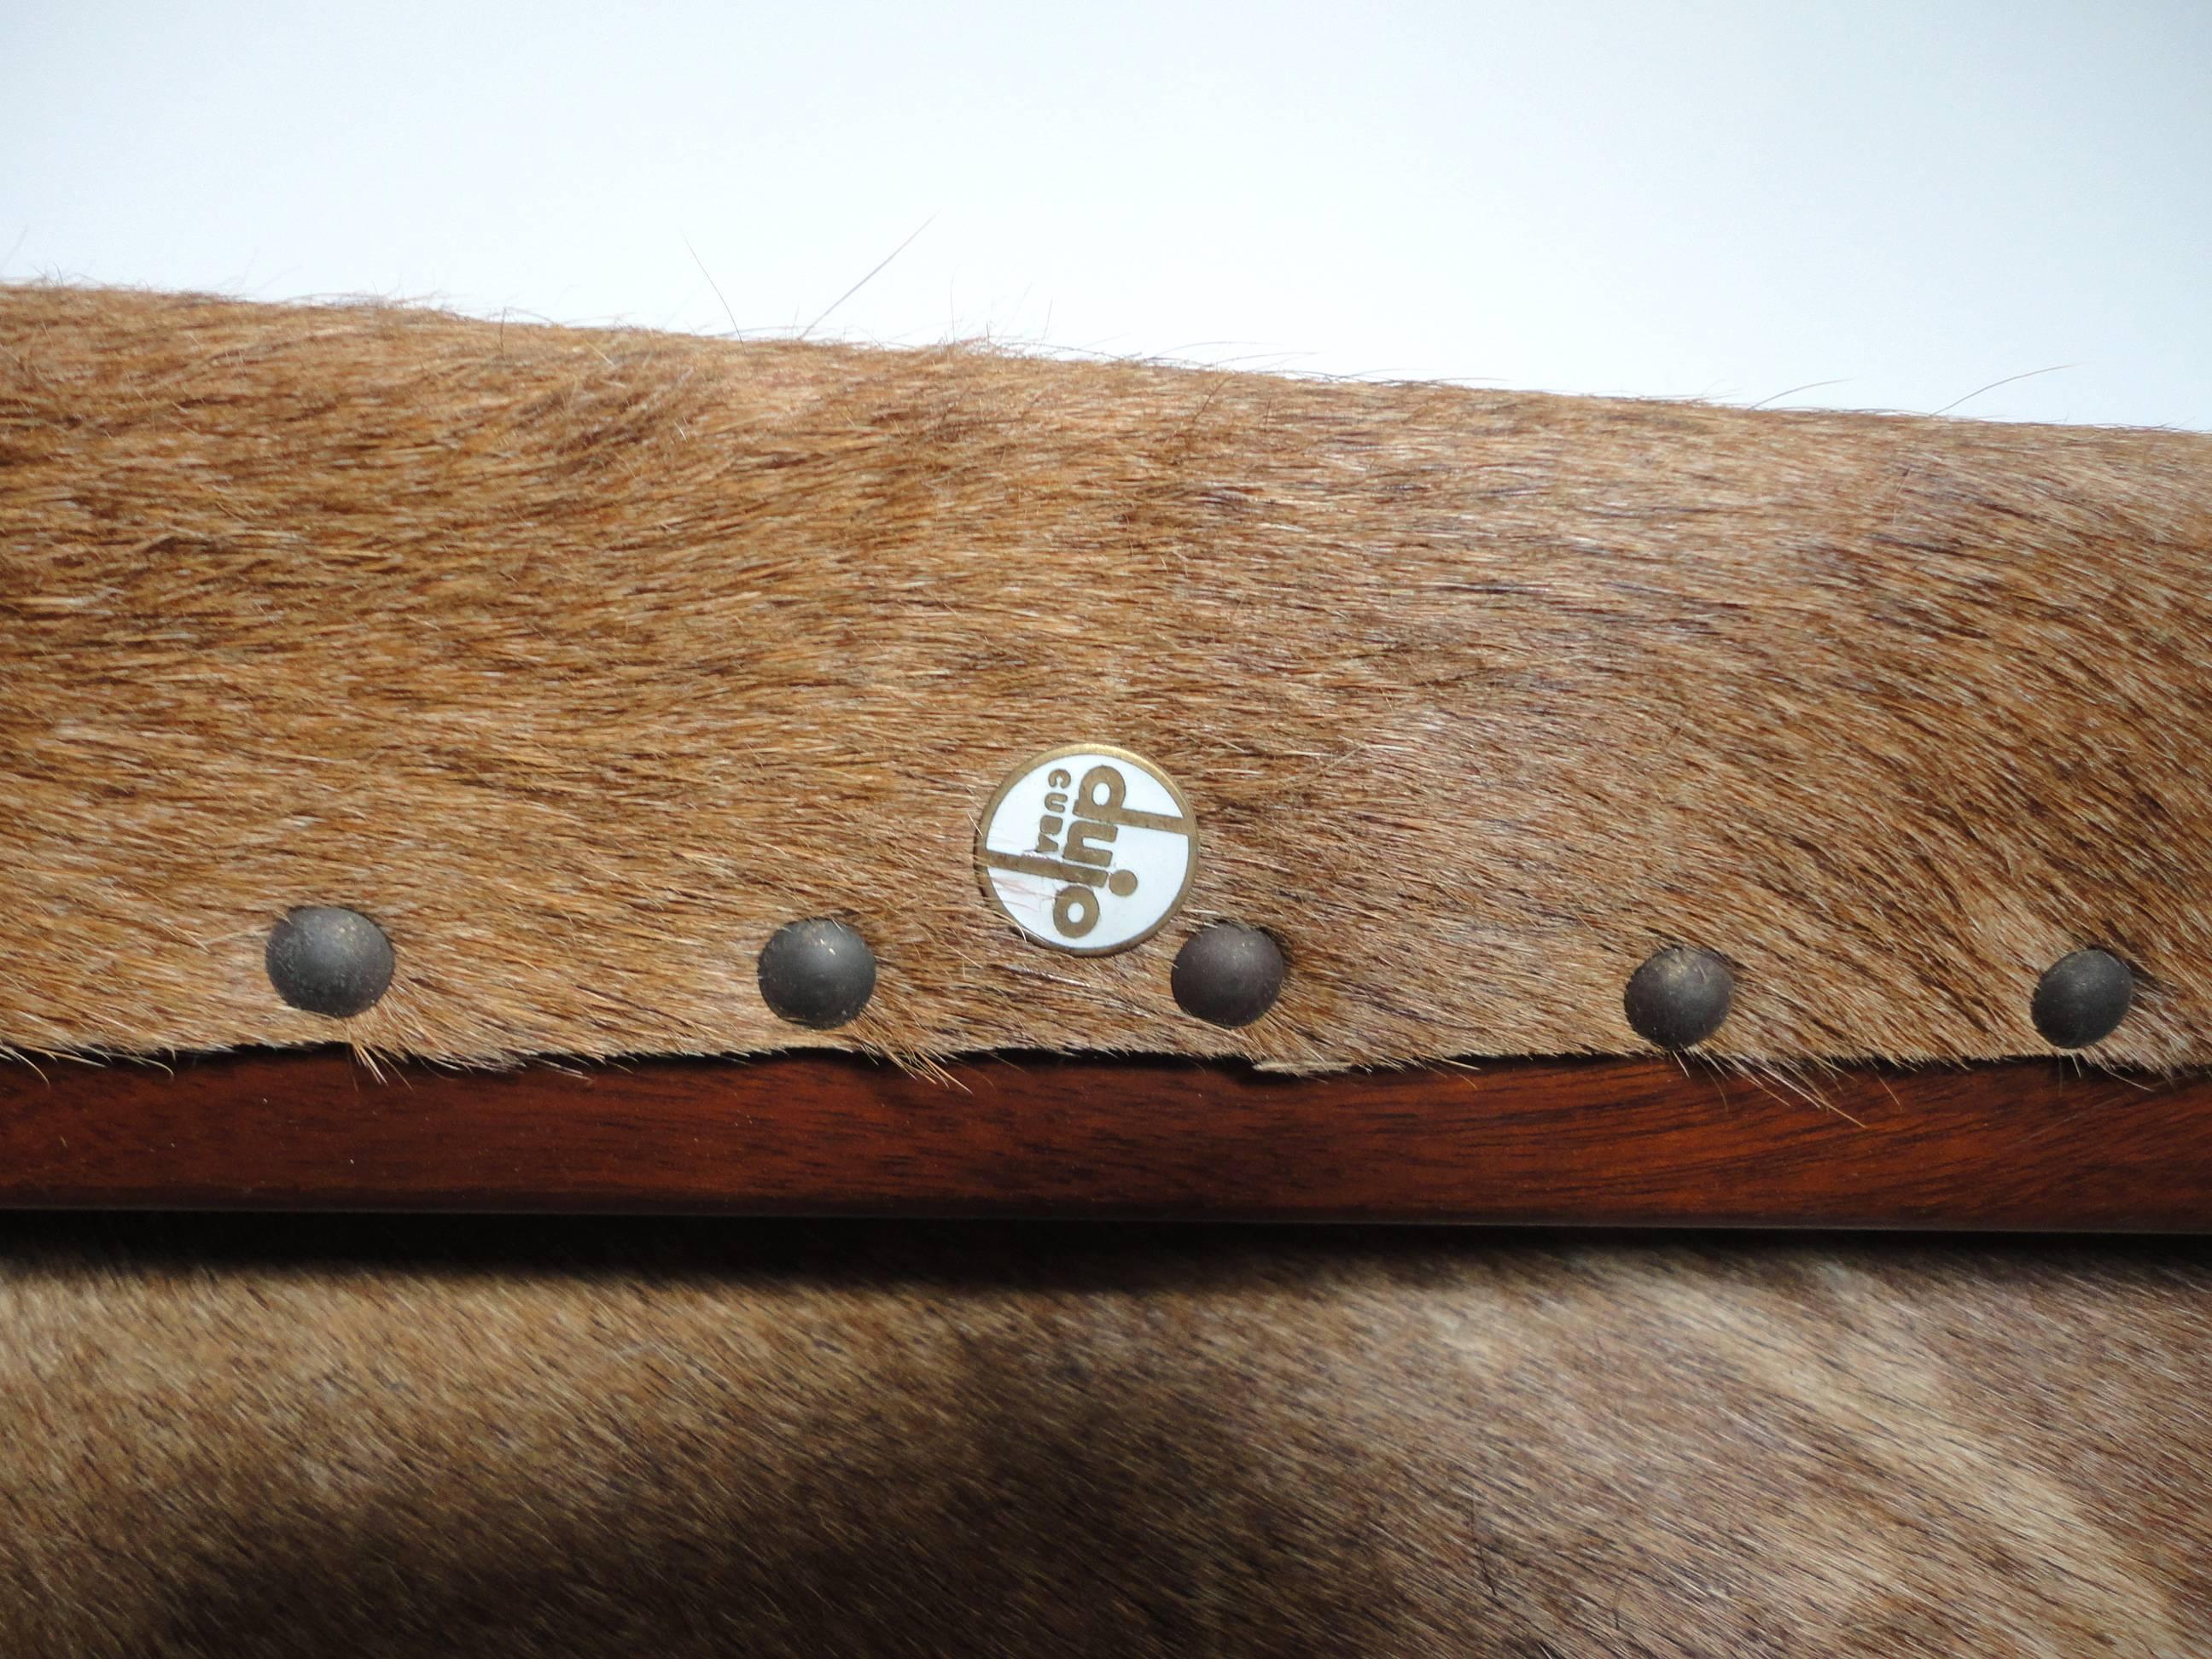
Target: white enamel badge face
[1089, 849]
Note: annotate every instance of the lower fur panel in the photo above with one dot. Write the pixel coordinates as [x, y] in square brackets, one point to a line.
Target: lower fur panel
[285, 1436]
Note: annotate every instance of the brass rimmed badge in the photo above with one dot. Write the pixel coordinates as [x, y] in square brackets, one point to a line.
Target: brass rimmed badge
[1087, 849]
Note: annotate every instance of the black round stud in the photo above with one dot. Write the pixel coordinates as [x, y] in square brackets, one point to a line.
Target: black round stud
[328, 960]
[818, 973]
[2081, 999]
[1228, 973]
[1680, 996]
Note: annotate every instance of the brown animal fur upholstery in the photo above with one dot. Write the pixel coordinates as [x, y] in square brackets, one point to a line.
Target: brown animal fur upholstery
[383, 1438]
[582, 660]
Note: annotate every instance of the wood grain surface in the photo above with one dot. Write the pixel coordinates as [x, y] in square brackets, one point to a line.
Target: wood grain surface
[2031, 1146]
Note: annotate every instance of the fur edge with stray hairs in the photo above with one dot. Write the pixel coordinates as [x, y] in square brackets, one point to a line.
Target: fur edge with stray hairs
[584, 660]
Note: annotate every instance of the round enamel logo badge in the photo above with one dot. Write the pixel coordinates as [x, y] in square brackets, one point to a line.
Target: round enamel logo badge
[1088, 848]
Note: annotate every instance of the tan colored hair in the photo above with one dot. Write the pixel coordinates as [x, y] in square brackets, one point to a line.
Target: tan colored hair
[286, 1437]
[583, 660]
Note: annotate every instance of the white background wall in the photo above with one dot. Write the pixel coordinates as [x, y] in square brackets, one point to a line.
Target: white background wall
[1904, 200]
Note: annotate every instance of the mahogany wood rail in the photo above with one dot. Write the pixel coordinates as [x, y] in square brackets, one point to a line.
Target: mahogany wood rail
[2029, 1146]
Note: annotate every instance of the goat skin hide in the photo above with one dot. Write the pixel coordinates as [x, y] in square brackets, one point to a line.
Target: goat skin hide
[383, 1437]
